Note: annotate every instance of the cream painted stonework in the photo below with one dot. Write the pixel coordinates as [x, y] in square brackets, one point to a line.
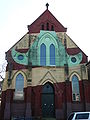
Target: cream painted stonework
[61, 36]
[23, 43]
[82, 73]
[13, 79]
[43, 74]
[70, 43]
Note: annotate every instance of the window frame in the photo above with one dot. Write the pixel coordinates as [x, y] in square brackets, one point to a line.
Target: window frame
[47, 26]
[43, 52]
[19, 94]
[52, 56]
[75, 90]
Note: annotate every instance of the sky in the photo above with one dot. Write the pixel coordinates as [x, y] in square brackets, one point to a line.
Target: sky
[15, 15]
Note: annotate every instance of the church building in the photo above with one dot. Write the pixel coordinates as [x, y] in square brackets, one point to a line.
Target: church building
[46, 75]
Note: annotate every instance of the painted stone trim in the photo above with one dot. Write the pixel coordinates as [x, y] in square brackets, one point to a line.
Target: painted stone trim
[24, 60]
[33, 54]
[15, 56]
[14, 74]
[74, 60]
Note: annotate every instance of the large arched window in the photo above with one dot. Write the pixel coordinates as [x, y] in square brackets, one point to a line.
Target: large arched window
[19, 83]
[52, 54]
[43, 54]
[75, 88]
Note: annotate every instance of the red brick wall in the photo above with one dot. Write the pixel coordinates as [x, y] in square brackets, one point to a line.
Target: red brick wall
[63, 97]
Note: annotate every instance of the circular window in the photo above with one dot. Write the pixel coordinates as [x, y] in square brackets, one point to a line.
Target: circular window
[73, 59]
[20, 57]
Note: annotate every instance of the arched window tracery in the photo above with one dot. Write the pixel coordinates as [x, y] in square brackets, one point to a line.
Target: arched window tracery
[19, 86]
[52, 54]
[75, 88]
[43, 54]
[19, 82]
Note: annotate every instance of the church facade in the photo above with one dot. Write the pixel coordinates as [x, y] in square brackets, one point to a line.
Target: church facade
[46, 75]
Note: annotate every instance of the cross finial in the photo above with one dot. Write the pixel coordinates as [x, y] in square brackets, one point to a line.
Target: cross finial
[47, 5]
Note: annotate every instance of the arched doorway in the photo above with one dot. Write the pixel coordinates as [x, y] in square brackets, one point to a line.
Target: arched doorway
[48, 107]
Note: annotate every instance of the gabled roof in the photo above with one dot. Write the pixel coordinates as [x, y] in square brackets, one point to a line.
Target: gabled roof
[43, 19]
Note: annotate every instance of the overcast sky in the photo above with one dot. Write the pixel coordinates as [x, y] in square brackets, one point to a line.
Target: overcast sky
[15, 15]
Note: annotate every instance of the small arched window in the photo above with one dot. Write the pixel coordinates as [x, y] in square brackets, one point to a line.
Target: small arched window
[43, 54]
[75, 88]
[19, 83]
[47, 26]
[42, 27]
[52, 54]
[52, 27]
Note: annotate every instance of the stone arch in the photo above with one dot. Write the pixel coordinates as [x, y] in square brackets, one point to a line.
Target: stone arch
[75, 78]
[47, 39]
[74, 73]
[48, 77]
[47, 81]
[14, 79]
[48, 105]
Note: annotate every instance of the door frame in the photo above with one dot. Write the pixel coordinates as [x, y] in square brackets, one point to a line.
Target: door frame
[49, 93]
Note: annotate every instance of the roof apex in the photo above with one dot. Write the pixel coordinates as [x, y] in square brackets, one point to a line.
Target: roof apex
[43, 19]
